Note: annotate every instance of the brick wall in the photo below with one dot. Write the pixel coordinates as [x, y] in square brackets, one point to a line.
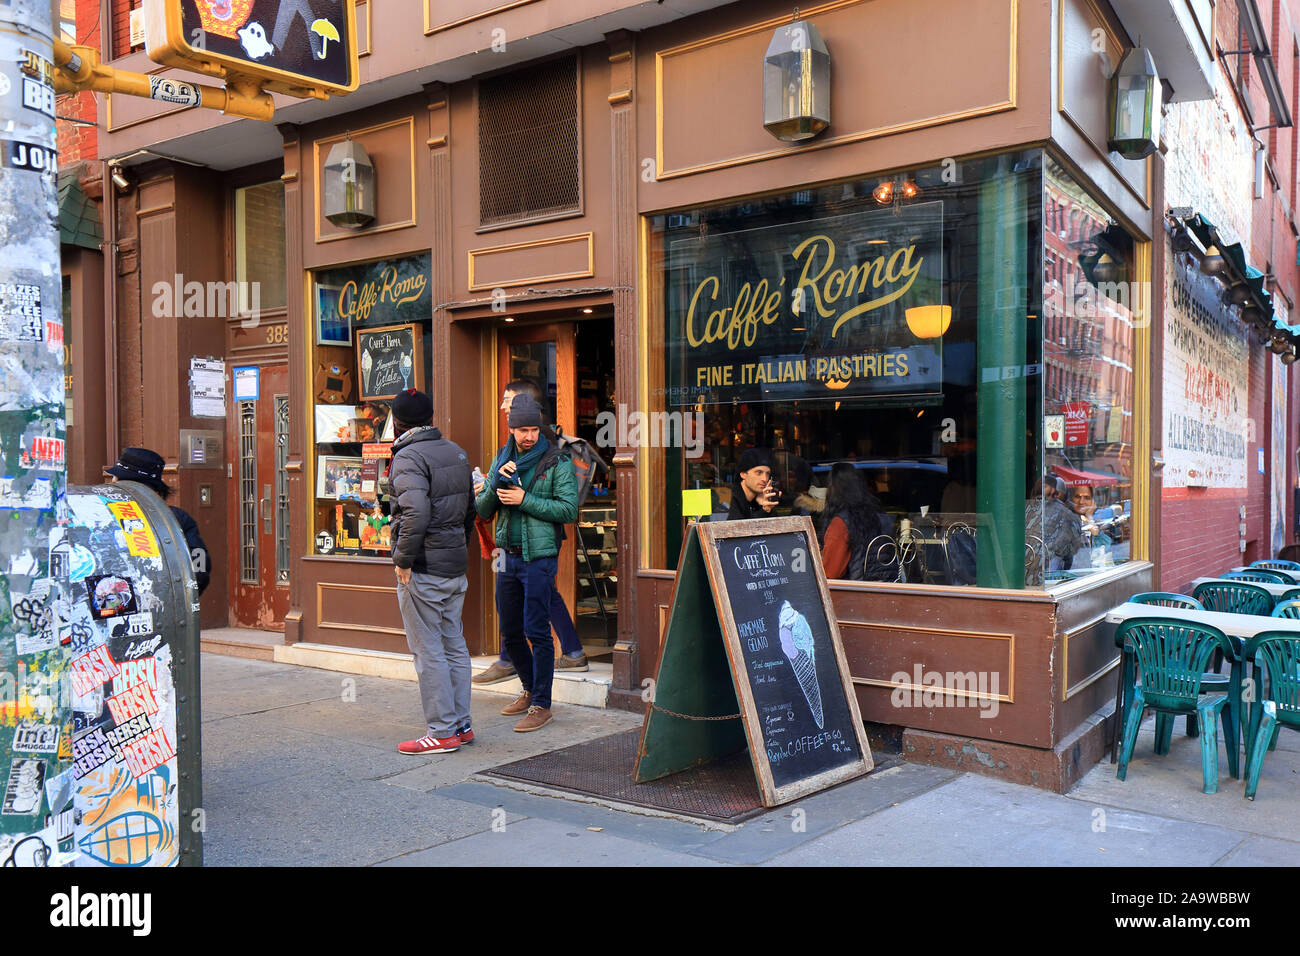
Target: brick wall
[122, 25]
[78, 141]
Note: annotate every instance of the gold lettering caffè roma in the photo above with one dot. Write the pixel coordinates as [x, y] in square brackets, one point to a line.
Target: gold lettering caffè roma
[355, 303]
[822, 286]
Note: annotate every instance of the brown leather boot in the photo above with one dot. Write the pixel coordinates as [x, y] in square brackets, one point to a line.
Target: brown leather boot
[518, 705]
[538, 717]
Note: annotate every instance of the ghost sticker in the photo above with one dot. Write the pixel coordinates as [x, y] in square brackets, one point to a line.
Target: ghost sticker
[253, 39]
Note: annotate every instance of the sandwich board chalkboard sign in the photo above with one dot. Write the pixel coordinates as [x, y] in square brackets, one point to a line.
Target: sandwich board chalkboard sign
[752, 657]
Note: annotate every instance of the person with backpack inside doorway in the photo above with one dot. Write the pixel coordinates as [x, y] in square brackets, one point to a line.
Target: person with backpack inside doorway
[532, 492]
[572, 657]
[145, 466]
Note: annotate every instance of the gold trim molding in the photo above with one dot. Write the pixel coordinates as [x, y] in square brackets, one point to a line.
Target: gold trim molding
[1009, 697]
[431, 28]
[662, 173]
[587, 237]
[316, 181]
[1068, 690]
[339, 625]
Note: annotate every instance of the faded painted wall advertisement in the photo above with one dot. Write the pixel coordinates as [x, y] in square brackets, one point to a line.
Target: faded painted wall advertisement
[1205, 385]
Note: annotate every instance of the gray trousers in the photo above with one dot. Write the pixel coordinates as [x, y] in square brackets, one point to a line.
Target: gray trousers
[431, 608]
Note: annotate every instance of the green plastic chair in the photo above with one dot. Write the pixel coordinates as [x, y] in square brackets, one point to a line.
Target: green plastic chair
[1126, 671]
[1291, 595]
[1234, 597]
[1278, 653]
[1289, 609]
[1277, 564]
[1259, 575]
[1172, 657]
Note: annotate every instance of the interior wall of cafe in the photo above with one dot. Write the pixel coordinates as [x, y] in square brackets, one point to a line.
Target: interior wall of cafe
[1225, 378]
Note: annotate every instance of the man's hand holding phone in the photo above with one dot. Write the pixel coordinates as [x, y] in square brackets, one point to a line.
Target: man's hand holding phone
[514, 494]
[770, 497]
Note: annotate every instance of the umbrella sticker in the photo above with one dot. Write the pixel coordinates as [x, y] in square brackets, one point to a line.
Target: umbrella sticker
[325, 31]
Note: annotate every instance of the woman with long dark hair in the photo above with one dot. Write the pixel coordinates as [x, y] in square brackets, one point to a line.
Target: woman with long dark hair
[852, 519]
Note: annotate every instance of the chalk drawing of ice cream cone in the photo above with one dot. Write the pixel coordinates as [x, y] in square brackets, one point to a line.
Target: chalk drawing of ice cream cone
[365, 370]
[797, 643]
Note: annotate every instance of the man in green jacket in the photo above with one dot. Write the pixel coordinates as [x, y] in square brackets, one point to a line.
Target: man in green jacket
[532, 490]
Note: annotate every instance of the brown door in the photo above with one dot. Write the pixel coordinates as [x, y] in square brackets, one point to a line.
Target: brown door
[545, 354]
[259, 501]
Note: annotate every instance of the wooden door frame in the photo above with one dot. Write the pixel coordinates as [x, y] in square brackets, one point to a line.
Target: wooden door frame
[564, 334]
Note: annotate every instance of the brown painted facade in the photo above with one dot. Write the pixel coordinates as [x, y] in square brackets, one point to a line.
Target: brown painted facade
[667, 122]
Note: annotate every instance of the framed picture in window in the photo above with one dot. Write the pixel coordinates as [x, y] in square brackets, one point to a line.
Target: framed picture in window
[332, 328]
[338, 477]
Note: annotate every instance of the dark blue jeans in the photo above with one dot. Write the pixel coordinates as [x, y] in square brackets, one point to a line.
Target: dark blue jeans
[562, 621]
[524, 592]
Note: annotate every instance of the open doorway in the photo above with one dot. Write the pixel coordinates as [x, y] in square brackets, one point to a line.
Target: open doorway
[572, 364]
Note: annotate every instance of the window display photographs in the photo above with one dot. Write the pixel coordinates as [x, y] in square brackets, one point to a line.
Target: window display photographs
[331, 327]
[338, 477]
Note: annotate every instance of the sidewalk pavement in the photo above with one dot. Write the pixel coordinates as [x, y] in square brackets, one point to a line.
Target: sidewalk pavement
[300, 768]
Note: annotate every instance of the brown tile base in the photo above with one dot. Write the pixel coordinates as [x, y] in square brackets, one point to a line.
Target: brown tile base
[1057, 769]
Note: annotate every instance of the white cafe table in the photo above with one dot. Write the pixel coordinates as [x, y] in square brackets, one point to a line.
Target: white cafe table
[1276, 590]
[1293, 575]
[1241, 626]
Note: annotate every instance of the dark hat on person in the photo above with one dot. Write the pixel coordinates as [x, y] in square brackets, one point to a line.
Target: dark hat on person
[142, 465]
[412, 407]
[753, 458]
[525, 412]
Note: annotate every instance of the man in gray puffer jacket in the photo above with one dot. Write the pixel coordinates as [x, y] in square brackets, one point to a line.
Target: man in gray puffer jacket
[433, 519]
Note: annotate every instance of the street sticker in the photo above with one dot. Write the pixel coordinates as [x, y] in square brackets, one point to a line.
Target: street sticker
[20, 313]
[92, 669]
[110, 595]
[30, 157]
[23, 790]
[166, 90]
[36, 738]
[140, 541]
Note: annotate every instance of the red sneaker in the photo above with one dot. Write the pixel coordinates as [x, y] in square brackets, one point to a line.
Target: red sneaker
[430, 745]
[465, 736]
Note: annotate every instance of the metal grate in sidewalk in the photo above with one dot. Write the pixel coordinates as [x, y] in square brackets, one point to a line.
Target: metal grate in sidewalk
[721, 792]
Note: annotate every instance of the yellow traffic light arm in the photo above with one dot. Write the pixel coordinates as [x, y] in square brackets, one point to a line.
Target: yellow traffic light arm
[78, 68]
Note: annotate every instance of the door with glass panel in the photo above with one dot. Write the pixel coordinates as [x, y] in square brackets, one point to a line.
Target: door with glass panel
[544, 354]
[259, 526]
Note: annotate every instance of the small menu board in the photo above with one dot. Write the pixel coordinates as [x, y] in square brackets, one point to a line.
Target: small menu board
[388, 360]
[752, 643]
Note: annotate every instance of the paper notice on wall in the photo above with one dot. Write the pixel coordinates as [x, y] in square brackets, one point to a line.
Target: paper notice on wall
[207, 388]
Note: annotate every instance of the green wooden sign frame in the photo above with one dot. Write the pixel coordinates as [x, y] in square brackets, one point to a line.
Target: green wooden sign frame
[703, 707]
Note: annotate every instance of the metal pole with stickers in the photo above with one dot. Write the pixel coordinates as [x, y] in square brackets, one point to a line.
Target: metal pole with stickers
[36, 812]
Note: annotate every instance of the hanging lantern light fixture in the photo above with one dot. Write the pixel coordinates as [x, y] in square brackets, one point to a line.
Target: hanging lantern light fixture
[349, 185]
[1135, 105]
[796, 83]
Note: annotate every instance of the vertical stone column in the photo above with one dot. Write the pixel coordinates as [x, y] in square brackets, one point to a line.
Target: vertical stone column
[623, 229]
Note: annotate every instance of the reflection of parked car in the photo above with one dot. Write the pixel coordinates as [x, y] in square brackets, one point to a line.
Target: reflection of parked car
[902, 485]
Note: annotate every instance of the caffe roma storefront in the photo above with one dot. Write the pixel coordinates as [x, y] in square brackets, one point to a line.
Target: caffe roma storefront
[951, 313]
